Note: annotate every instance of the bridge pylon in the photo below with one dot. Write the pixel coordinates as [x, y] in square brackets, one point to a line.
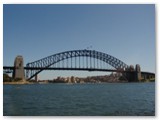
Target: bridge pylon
[134, 74]
[138, 73]
[18, 71]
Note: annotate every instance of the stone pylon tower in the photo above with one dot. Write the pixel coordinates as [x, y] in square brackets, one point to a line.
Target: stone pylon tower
[18, 72]
[135, 73]
[138, 73]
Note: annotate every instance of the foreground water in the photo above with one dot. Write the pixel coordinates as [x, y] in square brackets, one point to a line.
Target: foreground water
[108, 99]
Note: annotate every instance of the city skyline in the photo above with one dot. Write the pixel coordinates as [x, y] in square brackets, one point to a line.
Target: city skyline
[126, 32]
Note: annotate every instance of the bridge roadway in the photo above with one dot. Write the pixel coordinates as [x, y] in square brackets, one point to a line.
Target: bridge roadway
[80, 69]
[51, 68]
[144, 75]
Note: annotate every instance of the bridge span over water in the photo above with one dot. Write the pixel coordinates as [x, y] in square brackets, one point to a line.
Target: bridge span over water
[85, 60]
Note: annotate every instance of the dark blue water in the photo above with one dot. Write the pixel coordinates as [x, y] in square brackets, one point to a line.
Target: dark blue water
[109, 99]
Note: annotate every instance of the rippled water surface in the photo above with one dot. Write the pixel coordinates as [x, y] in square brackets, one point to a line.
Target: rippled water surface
[108, 99]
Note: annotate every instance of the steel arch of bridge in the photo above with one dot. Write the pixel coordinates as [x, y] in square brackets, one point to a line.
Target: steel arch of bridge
[46, 62]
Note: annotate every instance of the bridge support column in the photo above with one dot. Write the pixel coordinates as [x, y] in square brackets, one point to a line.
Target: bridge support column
[138, 73]
[36, 78]
[135, 74]
[130, 74]
[18, 72]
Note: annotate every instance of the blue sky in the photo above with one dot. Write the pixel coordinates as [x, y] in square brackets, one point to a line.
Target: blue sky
[126, 32]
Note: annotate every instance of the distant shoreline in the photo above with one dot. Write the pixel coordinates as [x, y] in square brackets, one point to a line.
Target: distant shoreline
[26, 82]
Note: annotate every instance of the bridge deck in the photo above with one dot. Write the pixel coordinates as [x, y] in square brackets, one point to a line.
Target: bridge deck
[80, 69]
[55, 68]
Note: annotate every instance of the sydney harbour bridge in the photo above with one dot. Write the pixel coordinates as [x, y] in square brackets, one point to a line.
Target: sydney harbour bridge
[85, 60]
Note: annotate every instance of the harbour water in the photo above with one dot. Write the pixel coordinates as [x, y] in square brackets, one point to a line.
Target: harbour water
[101, 99]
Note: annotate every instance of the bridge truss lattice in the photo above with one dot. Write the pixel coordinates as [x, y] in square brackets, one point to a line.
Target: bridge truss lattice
[76, 60]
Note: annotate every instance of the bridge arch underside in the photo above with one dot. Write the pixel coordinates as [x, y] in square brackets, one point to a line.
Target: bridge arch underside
[89, 60]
